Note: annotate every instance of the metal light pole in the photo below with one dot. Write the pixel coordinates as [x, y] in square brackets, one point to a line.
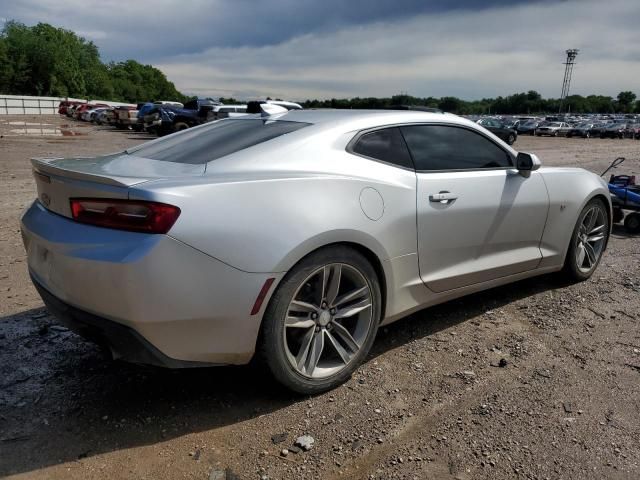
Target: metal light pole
[568, 70]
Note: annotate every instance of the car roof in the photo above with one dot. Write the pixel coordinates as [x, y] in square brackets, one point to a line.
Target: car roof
[361, 119]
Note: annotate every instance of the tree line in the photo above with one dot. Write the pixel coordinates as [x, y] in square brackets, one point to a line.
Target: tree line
[47, 61]
[530, 102]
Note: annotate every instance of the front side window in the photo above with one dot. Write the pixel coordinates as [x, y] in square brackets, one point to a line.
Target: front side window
[440, 147]
[203, 144]
[386, 145]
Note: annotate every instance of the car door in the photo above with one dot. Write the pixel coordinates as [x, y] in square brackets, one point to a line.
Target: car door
[478, 218]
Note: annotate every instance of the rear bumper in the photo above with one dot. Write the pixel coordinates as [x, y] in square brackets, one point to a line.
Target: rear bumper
[123, 342]
[187, 305]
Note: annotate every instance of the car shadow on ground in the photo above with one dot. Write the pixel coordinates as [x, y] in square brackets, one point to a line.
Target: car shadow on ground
[61, 400]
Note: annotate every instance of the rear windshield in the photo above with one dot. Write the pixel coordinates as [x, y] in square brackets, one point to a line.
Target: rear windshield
[201, 145]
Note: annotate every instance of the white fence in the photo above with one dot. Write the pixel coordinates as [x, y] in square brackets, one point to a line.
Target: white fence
[26, 105]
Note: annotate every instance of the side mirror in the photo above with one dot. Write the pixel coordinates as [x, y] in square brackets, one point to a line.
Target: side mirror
[526, 163]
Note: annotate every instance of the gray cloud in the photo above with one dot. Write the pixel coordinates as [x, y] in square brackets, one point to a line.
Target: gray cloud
[464, 53]
[302, 49]
[146, 29]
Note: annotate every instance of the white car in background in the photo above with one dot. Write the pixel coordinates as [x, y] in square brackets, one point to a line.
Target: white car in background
[553, 129]
[226, 111]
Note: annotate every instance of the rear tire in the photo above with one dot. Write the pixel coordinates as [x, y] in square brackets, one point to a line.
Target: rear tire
[588, 241]
[177, 127]
[511, 139]
[311, 312]
[632, 223]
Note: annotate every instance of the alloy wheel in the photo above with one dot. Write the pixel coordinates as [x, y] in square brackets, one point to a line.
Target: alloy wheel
[590, 239]
[328, 320]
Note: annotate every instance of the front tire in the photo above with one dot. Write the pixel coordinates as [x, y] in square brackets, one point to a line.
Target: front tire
[511, 139]
[322, 320]
[588, 241]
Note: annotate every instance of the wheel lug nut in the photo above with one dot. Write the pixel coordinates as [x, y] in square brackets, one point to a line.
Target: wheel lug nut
[317, 329]
[314, 316]
[332, 311]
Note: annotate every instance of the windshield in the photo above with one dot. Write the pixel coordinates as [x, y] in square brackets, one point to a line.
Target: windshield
[211, 141]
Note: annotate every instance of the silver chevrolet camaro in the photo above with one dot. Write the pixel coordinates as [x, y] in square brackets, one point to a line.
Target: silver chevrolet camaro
[295, 236]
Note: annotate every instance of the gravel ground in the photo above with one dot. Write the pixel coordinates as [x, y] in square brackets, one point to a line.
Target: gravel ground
[534, 380]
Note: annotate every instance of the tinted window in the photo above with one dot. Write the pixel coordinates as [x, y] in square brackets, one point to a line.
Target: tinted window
[201, 145]
[386, 145]
[437, 147]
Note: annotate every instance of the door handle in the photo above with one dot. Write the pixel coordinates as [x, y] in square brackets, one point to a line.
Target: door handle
[443, 197]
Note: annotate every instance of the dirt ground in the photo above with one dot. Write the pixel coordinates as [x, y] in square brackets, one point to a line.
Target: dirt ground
[535, 380]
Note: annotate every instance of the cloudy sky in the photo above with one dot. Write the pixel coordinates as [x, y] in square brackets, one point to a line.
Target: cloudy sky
[299, 49]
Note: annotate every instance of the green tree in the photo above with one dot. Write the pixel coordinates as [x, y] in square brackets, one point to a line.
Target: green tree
[450, 104]
[6, 67]
[45, 60]
[625, 100]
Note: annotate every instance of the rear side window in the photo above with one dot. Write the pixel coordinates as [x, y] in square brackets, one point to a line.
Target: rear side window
[439, 147]
[201, 145]
[386, 145]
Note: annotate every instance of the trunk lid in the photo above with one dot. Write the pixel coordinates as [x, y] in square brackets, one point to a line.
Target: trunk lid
[109, 176]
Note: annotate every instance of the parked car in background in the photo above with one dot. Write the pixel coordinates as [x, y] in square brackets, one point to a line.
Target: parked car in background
[79, 111]
[91, 115]
[553, 129]
[126, 117]
[71, 110]
[581, 130]
[613, 130]
[143, 109]
[633, 131]
[165, 119]
[512, 123]
[224, 111]
[189, 250]
[66, 104]
[527, 127]
[169, 103]
[597, 128]
[106, 117]
[499, 129]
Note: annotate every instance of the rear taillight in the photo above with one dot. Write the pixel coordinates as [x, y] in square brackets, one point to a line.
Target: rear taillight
[132, 215]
